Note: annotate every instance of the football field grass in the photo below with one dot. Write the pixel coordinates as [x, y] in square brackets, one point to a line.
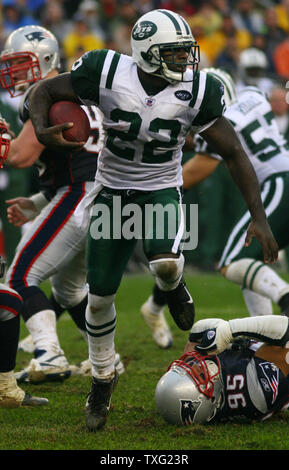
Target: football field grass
[133, 422]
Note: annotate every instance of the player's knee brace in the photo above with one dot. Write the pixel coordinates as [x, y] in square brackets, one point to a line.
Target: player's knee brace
[167, 272]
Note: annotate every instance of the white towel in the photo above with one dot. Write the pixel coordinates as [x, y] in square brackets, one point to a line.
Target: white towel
[83, 210]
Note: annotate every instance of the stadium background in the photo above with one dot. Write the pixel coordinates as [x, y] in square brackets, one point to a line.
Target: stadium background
[223, 28]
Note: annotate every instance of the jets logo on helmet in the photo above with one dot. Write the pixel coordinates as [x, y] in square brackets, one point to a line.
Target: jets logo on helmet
[143, 30]
[29, 54]
[156, 40]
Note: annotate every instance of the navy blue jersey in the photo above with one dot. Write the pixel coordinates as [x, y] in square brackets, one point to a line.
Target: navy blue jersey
[57, 169]
[253, 387]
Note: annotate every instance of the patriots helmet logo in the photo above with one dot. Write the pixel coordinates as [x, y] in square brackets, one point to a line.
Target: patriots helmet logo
[188, 410]
[36, 36]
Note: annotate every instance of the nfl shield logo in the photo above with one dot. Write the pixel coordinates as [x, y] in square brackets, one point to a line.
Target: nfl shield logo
[150, 101]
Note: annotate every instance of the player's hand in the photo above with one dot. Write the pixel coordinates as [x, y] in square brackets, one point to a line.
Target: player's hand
[20, 211]
[262, 232]
[53, 137]
[213, 335]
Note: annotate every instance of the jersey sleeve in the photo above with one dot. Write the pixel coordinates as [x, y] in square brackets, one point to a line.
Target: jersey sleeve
[86, 75]
[24, 105]
[212, 106]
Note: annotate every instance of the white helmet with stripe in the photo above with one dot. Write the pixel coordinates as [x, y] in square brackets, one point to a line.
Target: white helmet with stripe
[230, 94]
[252, 65]
[156, 32]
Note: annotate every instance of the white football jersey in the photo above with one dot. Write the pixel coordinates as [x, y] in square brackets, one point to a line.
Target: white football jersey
[255, 124]
[144, 134]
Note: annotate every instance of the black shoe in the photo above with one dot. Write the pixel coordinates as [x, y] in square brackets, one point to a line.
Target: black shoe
[181, 306]
[29, 400]
[284, 304]
[98, 402]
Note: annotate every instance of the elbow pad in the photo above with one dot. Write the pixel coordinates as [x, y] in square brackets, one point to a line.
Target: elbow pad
[271, 329]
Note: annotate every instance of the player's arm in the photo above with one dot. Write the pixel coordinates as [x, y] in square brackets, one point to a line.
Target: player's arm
[23, 209]
[215, 335]
[25, 149]
[41, 98]
[222, 137]
[198, 168]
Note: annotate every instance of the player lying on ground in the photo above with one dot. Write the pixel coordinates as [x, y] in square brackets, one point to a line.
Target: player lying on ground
[226, 374]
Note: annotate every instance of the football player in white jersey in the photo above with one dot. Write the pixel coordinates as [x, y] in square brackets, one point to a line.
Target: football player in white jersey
[11, 396]
[150, 101]
[253, 119]
[253, 70]
[53, 247]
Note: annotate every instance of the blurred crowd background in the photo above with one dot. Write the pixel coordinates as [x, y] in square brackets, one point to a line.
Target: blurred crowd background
[223, 29]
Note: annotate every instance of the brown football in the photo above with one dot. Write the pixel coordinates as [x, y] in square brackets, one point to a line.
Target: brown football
[67, 111]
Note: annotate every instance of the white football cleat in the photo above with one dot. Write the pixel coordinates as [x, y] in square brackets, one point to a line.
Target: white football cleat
[84, 367]
[12, 396]
[47, 367]
[158, 325]
[26, 345]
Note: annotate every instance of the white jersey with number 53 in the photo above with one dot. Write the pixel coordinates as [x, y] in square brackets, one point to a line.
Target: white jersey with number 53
[253, 120]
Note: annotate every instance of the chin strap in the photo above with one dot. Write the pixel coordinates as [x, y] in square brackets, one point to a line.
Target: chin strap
[169, 75]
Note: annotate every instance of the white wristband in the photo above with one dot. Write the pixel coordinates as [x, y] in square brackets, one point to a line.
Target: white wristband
[39, 200]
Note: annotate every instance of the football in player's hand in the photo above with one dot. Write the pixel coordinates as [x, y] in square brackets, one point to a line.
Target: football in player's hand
[67, 111]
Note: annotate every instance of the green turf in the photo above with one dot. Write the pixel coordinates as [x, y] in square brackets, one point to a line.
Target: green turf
[133, 422]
